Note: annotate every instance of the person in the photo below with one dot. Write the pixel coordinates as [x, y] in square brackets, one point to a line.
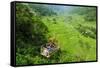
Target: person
[49, 47]
[45, 52]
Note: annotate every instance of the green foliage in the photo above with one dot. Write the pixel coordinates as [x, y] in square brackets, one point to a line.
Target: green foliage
[75, 33]
[88, 13]
[88, 31]
[30, 33]
[42, 10]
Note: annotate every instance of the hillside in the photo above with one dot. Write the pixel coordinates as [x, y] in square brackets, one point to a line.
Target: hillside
[74, 31]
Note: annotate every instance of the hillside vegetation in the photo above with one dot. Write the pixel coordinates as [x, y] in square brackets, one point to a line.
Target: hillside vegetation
[73, 28]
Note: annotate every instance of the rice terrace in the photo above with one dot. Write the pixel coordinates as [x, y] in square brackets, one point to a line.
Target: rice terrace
[54, 34]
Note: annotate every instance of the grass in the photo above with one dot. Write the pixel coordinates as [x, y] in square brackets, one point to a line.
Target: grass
[75, 46]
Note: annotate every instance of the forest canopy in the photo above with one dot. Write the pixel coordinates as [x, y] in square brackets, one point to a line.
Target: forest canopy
[88, 13]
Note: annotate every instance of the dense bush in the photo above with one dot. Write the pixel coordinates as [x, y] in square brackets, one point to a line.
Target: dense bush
[30, 33]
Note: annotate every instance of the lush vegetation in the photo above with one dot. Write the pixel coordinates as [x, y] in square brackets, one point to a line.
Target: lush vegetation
[74, 28]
